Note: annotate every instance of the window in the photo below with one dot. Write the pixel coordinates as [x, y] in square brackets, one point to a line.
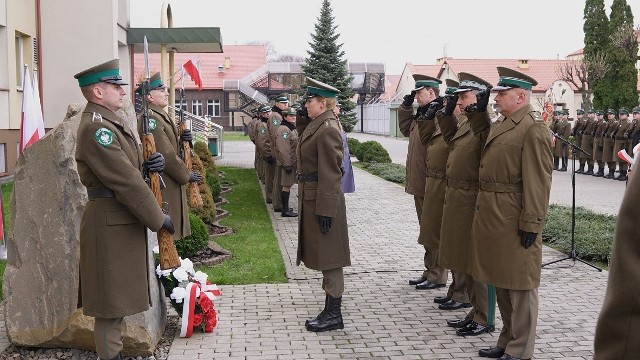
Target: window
[3, 158]
[196, 107]
[184, 105]
[213, 108]
[19, 60]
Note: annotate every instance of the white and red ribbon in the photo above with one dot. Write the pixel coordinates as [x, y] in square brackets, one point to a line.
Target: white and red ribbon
[194, 291]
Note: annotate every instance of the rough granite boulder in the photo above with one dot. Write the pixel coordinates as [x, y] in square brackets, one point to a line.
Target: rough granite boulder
[43, 251]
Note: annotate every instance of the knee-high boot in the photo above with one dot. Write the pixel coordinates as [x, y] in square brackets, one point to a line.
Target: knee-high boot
[286, 210]
[330, 319]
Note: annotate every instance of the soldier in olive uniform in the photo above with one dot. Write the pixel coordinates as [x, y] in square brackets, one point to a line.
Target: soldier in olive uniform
[577, 133]
[600, 127]
[634, 134]
[167, 139]
[463, 166]
[263, 142]
[415, 164]
[251, 130]
[616, 333]
[114, 268]
[515, 182]
[587, 142]
[281, 103]
[561, 150]
[555, 123]
[286, 143]
[323, 239]
[608, 143]
[621, 140]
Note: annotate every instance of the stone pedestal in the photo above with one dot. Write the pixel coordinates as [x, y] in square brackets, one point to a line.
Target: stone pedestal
[43, 250]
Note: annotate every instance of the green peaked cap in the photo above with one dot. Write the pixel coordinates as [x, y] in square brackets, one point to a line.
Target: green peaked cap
[108, 72]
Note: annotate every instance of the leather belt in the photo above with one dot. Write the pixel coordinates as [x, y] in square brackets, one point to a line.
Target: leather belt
[308, 177]
[436, 174]
[500, 188]
[95, 193]
[465, 185]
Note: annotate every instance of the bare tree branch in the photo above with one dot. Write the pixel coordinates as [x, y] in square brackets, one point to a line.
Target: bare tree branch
[626, 38]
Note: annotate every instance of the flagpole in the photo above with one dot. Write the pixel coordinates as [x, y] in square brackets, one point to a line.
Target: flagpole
[24, 94]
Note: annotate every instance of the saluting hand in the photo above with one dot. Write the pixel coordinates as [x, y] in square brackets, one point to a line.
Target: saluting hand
[452, 102]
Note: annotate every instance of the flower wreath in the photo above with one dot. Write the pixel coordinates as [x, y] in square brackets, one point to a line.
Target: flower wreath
[185, 286]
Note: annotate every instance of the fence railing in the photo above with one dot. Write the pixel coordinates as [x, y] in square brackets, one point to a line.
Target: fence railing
[203, 129]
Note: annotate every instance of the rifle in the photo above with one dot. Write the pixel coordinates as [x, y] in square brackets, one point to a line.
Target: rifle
[169, 258]
[195, 199]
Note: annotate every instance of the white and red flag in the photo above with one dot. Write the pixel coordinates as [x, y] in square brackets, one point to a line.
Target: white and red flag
[193, 69]
[31, 124]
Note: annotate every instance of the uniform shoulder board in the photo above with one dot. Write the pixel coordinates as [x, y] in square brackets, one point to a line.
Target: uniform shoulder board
[96, 117]
[536, 116]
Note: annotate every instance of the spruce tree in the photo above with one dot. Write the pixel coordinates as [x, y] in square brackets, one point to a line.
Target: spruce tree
[596, 39]
[326, 63]
[618, 88]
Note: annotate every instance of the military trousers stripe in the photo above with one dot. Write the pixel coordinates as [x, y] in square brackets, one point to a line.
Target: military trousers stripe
[108, 337]
[519, 310]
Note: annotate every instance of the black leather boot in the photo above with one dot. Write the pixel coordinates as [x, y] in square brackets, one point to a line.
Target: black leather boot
[580, 169]
[610, 174]
[556, 160]
[326, 302]
[589, 170]
[622, 176]
[600, 172]
[564, 164]
[286, 210]
[330, 319]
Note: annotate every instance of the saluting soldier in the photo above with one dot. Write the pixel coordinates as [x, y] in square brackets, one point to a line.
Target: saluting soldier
[621, 140]
[281, 103]
[113, 233]
[515, 182]
[608, 142]
[167, 138]
[616, 331]
[598, 133]
[577, 133]
[286, 143]
[263, 141]
[463, 166]
[587, 142]
[426, 90]
[323, 239]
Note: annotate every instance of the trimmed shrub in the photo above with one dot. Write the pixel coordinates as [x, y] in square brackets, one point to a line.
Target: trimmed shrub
[214, 185]
[353, 144]
[376, 153]
[360, 149]
[190, 245]
[396, 173]
[208, 210]
[206, 157]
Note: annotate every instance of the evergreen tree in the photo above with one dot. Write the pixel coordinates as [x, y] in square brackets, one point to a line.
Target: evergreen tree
[325, 63]
[618, 88]
[596, 39]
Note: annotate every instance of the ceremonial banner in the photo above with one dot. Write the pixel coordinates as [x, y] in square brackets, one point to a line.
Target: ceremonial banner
[191, 67]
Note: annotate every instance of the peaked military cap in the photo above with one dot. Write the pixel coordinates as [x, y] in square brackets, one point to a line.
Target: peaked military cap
[599, 112]
[264, 109]
[580, 112]
[623, 111]
[510, 79]
[296, 105]
[282, 98]
[591, 111]
[424, 81]
[452, 86]
[108, 72]
[611, 111]
[318, 88]
[155, 83]
[565, 112]
[289, 111]
[470, 82]
[636, 110]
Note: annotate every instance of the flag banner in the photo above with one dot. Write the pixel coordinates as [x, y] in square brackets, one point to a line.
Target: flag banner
[31, 124]
[192, 69]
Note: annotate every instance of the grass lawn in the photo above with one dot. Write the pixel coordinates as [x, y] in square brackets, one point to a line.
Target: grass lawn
[256, 254]
[6, 207]
[235, 136]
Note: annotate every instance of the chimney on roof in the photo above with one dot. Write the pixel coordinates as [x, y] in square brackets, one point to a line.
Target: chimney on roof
[523, 64]
[227, 62]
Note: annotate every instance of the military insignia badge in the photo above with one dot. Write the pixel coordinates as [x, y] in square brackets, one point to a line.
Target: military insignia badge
[262, 130]
[104, 137]
[275, 122]
[153, 124]
[285, 135]
[96, 117]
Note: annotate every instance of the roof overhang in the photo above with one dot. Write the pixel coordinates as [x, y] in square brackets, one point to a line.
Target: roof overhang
[183, 40]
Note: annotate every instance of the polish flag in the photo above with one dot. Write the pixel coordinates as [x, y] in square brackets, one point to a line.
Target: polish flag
[192, 68]
[31, 125]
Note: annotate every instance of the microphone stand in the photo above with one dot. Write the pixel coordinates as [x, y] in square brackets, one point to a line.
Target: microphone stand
[575, 150]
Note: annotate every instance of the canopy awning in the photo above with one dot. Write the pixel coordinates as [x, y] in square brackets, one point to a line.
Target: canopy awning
[184, 40]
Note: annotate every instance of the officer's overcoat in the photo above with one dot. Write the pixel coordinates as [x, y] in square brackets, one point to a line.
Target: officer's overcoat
[624, 128]
[175, 174]
[320, 152]
[113, 236]
[600, 127]
[515, 181]
[608, 141]
[416, 167]
[286, 144]
[587, 139]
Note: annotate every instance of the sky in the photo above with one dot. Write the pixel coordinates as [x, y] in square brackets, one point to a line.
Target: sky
[392, 32]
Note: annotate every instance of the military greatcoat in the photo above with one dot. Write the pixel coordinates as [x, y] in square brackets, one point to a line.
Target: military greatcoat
[515, 181]
[286, 144]
[600, 127]
[587, 138]
[621, 138]
[175, 174]
[416, 160]
[563, 129]
[463, 165]
[608, 141]
[616, 332]
[113, 235]
[320, 152]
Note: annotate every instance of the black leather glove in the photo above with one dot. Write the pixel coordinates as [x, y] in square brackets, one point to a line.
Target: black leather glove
[482, 99]
[195, 176]
[433, 107]
[155, 162]
[408, 99]
[452, 101]
[186, 136]
[625, 136]
[325, 223]
[527, 238]
[168, 224]
[270, 160]
[288, 169]
[593, 133]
